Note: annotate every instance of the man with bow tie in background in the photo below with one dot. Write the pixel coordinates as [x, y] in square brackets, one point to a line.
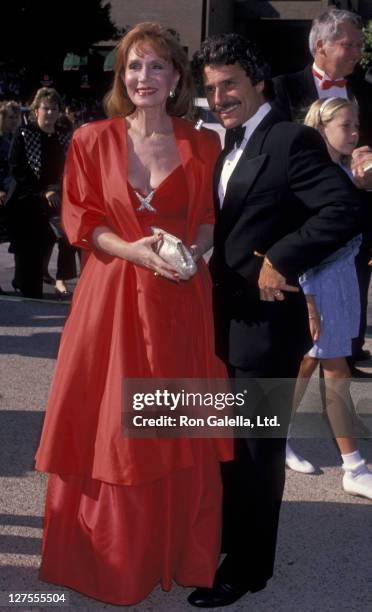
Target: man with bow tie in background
[335, 42]
[281, 207]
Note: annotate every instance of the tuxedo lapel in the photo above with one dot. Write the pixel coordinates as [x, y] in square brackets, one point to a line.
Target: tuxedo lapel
[349, 89]
[309, 90]
[245, 174]
[309, 84]
[240, 183]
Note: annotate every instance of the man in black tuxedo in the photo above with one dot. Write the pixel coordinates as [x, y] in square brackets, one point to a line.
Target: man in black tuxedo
[335, 42]
[281, 207]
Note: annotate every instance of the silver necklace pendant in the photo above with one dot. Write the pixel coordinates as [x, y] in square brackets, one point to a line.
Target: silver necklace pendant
[145, 201]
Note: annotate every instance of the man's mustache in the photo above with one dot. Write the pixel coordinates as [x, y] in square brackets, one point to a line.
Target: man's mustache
[220, 108]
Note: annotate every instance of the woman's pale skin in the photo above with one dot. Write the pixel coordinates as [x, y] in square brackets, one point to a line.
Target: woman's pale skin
[341, 136]
[152, 154]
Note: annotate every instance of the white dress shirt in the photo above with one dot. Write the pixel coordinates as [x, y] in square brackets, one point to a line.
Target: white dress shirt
[332, 92]
[233, 157]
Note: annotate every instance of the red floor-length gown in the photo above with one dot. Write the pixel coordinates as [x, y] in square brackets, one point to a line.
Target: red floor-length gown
[121, 514]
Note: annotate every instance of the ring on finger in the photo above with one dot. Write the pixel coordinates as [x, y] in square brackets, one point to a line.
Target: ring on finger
[156, 274]
[278, 293]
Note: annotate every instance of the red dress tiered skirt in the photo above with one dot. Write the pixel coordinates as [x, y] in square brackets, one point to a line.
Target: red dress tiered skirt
[124, 515]
[116, 543]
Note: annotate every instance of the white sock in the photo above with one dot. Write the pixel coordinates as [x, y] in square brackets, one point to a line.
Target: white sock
[350, 460]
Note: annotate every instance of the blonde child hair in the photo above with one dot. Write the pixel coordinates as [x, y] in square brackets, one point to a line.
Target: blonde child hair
[323, 111]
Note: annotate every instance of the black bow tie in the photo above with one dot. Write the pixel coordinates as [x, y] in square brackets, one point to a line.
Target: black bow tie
[233, 137]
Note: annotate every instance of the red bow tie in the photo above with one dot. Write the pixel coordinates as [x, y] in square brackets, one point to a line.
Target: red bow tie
[327, 83]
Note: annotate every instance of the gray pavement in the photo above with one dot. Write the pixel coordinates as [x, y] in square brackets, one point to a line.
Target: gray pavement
[324, 558]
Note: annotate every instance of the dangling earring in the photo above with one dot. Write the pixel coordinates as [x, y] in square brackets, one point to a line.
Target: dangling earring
[172, 93]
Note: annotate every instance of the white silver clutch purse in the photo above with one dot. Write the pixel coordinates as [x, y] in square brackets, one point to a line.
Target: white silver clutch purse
[175, 253]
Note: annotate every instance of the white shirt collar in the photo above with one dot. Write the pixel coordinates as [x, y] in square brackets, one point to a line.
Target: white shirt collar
[254, 121]
[324, 75]
[232, 158]
[337, 92]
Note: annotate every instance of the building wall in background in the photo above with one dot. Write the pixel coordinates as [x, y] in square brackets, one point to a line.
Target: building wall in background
[184, 16]
[280, 27]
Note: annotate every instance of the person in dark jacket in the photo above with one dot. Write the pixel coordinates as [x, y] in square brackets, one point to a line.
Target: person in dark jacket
[36, 162]
[281, 207]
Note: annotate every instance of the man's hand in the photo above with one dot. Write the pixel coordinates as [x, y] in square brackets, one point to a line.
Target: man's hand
[361, 167]
[272, 283]
[2, 197]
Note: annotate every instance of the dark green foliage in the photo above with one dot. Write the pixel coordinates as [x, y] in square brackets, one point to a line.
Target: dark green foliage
[367, 46]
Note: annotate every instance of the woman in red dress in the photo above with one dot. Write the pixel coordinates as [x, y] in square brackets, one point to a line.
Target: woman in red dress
[124, 514]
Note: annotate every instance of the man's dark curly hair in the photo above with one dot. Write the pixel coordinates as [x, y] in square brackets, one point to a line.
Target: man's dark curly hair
[224, 49]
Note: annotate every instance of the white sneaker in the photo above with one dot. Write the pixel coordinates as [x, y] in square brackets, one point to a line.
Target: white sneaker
[296, 462]
[358, 481]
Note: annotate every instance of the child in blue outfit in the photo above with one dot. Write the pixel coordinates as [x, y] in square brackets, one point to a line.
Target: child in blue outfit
[334, 285]
[332, 297]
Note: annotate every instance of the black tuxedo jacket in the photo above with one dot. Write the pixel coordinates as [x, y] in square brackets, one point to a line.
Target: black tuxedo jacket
[285, 199]
[295, 92]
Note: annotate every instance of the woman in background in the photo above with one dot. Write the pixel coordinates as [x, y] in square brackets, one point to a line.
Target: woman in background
[36, 160]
